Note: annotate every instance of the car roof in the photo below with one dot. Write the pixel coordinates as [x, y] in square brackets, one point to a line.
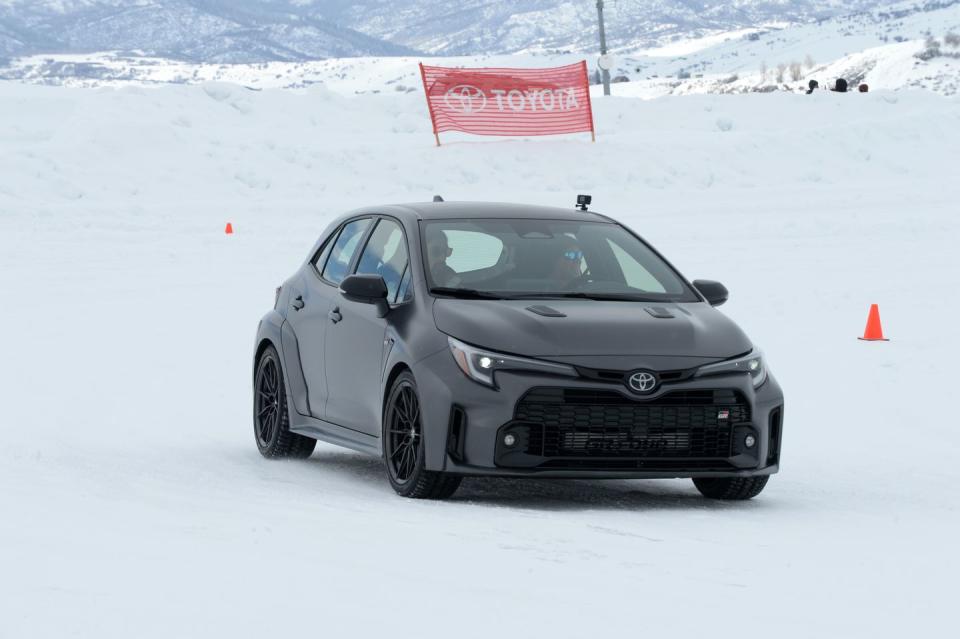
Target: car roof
[484, 210]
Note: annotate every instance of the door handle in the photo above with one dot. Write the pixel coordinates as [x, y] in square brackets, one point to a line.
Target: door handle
[298, 303]
[335, 315]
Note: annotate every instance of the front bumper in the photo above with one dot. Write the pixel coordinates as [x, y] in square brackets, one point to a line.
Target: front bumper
[576, 427]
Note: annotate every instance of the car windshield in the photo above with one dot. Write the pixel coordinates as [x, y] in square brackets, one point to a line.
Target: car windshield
[533, 258]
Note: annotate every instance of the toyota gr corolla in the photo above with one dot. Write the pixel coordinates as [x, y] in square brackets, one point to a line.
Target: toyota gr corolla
[457, 339]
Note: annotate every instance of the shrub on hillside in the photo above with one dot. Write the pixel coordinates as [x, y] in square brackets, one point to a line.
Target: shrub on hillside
[931, 50]
[796, 71]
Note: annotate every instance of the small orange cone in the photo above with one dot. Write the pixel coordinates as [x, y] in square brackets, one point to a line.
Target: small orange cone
[229, 229]
[874, 332]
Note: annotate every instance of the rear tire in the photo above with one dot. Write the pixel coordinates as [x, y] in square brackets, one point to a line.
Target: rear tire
[403, 449]
[271, 419]
[731, 488]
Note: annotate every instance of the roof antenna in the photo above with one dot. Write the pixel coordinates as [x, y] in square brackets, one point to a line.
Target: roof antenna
[438, 198]
[583, 201]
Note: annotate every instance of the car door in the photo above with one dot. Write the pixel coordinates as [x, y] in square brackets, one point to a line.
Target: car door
[356, 341]
[311, 301]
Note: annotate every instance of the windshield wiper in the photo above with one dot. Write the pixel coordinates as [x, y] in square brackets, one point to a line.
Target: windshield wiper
[599, 297]
[466, 293]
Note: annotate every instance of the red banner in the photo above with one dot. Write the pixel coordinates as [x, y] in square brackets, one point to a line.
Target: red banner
[509, 101]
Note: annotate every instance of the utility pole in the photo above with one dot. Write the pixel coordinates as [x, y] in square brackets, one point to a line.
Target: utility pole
[603, 49]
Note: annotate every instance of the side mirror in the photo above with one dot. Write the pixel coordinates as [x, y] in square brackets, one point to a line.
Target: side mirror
[715, 292]
[366, 289]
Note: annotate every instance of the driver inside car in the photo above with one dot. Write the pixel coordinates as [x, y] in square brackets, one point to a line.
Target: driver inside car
[568, 265]
[438, 250]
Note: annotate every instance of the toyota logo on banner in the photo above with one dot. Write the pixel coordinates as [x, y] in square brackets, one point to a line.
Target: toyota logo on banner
[509, 102]
[465, 98]
[643, 382]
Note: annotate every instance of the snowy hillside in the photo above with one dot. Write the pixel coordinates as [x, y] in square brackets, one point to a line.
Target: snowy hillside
[887, 49]
[210, 31]
[135, 504]
[884, 48]
[468, 27]
[215, 31]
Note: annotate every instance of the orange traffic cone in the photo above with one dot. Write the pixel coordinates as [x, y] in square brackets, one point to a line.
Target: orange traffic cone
[874, 332]
[229, 229]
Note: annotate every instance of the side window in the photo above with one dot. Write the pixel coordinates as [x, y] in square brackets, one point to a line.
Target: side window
[321, 257]
[385, 255]
[634, 273]
[405, 292]
[343, 249]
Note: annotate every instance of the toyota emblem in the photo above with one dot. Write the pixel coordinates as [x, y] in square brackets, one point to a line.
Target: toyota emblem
[465, 98]
[642, 382]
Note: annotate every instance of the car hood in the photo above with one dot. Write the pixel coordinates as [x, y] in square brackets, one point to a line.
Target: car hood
[620, 335]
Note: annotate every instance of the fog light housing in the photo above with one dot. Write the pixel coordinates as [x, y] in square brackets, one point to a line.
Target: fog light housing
[509, 440]
[749, 441]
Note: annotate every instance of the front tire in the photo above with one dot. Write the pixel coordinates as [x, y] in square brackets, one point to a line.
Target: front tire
[271, 419]
[731, 488]
[403, 448]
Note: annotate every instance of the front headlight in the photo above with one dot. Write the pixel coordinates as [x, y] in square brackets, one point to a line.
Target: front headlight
[751, 364]
[480, 365]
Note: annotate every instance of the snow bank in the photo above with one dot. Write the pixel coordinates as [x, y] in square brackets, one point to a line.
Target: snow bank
[134, 502]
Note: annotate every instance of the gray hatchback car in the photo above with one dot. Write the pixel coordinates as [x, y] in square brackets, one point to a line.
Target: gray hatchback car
[457, 339]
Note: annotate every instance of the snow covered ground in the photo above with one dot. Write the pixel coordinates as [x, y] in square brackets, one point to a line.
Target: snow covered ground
[879, 47]
[134, 503]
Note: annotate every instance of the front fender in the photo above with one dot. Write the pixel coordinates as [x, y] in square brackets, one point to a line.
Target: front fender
[276, 330]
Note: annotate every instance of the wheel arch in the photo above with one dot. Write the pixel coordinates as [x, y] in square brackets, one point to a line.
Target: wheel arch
[268, 334]
[262, 346]
[395, 372]
[275, 331]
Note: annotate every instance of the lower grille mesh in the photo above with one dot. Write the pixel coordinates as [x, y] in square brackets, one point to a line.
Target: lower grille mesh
[605, 424]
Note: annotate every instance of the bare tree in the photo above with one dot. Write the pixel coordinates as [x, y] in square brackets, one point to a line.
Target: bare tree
[781, 69]
[952, 40]
[796, 71]
[931, 50]
[808, 62]
[763, 72]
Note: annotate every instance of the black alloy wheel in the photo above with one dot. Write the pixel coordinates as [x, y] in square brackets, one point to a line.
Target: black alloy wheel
[268, 402]
[403, 446]
[271, 421]
[405, 434]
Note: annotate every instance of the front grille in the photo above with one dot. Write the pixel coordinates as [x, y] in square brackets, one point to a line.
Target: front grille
[590, 424]
[620, 377]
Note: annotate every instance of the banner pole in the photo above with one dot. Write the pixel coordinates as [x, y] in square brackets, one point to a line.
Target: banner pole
[426, 92]
[586, 81]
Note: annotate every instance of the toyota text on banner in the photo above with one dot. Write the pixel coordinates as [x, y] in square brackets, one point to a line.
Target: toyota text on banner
[514, 102]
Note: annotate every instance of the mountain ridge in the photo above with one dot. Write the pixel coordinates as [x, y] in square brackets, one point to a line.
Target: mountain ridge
[251, 31]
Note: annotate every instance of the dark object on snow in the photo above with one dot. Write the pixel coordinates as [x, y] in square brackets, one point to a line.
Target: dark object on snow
[813, 86]
[358, 350]
[841, 86]
[620, 79]
[864, 88]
